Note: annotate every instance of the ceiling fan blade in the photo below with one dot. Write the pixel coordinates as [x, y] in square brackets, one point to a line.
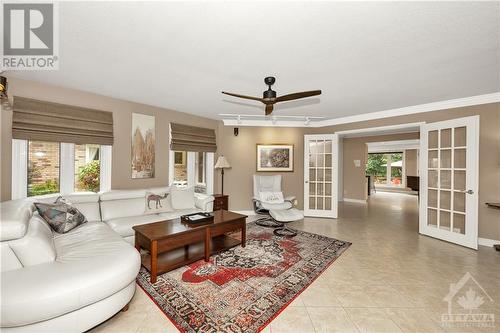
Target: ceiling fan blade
[243, 96]
[298, 95]
[269, 109]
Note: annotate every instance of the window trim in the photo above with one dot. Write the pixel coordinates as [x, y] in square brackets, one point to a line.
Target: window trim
[66, 169]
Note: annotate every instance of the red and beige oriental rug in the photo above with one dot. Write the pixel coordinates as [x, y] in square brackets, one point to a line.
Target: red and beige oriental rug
[242, 289]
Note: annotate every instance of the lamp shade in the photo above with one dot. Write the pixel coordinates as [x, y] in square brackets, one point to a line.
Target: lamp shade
[222, 163]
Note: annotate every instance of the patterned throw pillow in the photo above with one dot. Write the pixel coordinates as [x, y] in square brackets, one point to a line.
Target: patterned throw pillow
[157, 203]
[61, 216]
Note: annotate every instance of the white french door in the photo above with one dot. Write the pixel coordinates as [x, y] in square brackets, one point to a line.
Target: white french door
[449, 167]
[320, 171]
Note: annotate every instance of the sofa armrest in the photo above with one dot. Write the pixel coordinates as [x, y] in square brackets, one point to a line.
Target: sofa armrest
[204, 202]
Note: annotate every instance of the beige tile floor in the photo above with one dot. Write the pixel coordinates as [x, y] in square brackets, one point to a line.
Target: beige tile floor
[390, 280]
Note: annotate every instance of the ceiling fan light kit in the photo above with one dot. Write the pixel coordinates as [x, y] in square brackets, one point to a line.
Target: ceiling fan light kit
[269, 96]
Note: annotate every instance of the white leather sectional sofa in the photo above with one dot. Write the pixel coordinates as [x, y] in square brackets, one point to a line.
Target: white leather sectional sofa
[72, 282]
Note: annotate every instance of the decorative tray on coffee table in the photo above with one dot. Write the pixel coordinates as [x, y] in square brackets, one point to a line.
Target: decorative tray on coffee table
[198, 218]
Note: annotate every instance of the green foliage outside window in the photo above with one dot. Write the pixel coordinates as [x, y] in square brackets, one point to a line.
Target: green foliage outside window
[376, 165]
[50, 186]
[89, 176]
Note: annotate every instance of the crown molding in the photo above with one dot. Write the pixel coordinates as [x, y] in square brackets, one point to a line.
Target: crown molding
[428, 107]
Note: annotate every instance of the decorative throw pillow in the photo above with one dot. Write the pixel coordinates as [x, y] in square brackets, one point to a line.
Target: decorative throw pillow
[158, 203]
[61, 216]
[182, 197]
[272, 197]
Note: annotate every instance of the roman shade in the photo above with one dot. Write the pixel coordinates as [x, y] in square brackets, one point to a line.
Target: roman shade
[190, 138]
[45, 121]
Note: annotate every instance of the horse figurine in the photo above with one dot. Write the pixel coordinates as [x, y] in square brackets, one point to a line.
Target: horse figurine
[157, 199]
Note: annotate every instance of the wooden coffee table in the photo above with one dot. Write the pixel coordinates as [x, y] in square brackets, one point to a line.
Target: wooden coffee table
[172, 243]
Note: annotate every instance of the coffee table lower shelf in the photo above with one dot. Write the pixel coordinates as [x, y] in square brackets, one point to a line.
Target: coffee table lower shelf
[188, 254]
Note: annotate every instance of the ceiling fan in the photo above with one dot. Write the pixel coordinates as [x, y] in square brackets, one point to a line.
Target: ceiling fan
[269, 96]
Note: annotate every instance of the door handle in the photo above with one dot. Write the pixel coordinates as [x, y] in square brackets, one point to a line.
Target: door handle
[307, 182]
[468, 192]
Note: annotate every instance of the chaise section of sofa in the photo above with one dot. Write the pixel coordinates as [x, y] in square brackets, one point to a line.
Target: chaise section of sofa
[72, 282]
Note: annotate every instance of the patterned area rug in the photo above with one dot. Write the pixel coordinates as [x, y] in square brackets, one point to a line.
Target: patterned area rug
[242, 289]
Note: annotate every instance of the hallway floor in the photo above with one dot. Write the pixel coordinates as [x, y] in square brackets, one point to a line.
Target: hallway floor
[390, 280]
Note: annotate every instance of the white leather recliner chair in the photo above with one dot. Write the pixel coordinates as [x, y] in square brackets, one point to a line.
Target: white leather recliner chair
[279, 209]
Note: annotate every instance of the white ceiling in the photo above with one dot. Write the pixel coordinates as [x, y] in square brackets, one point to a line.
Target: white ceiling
[365, 56]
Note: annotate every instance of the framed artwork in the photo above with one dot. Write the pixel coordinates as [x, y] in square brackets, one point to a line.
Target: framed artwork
[275, 157]
[143, 146]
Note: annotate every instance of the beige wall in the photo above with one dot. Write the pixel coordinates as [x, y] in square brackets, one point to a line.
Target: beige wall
[411, 162]
[241, 153]
[240, 189]
[122, 110]
[240, 150]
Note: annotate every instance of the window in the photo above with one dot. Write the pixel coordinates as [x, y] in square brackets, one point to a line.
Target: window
[87, 168]
[40, 168]
[387, 169]
[192, 169]
[43, 168]
[200, 177]
[180, 168]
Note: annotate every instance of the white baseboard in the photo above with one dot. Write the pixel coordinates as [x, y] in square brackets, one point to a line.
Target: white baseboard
[487, 242]
[354, 200]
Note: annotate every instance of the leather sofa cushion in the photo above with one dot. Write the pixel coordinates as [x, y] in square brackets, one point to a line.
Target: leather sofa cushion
[116, 204]
[123, 225]
[37, 246]
[182, 198]
[87, 204]
[14, 218]
[8, 258]
[177, 213]
[93, 262]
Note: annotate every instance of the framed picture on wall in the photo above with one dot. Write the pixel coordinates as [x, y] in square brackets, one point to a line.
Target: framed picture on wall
[143, 146]
[275, 157]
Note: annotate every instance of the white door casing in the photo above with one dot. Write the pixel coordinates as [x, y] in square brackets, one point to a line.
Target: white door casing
[320, 175]
[449, 175]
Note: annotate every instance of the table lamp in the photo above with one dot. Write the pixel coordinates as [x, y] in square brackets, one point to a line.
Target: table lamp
[222, 164]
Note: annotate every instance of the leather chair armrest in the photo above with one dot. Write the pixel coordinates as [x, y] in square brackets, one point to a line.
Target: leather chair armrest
[204, 202]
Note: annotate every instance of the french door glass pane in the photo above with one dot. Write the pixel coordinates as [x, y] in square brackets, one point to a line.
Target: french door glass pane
[312, 202]
[445, 200]
[460, 137]
[312, 174]
[445, 138]
[312, 160]
[459, 158]
[320, 173]
[444, 220]
[432, 198]
[459, 202]
[432, 217]
[459, 223]
[447, 179]
[433, 159]
[433, 179]
[446, 158]
[433, 139]
[312, 188]
[328, 188]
